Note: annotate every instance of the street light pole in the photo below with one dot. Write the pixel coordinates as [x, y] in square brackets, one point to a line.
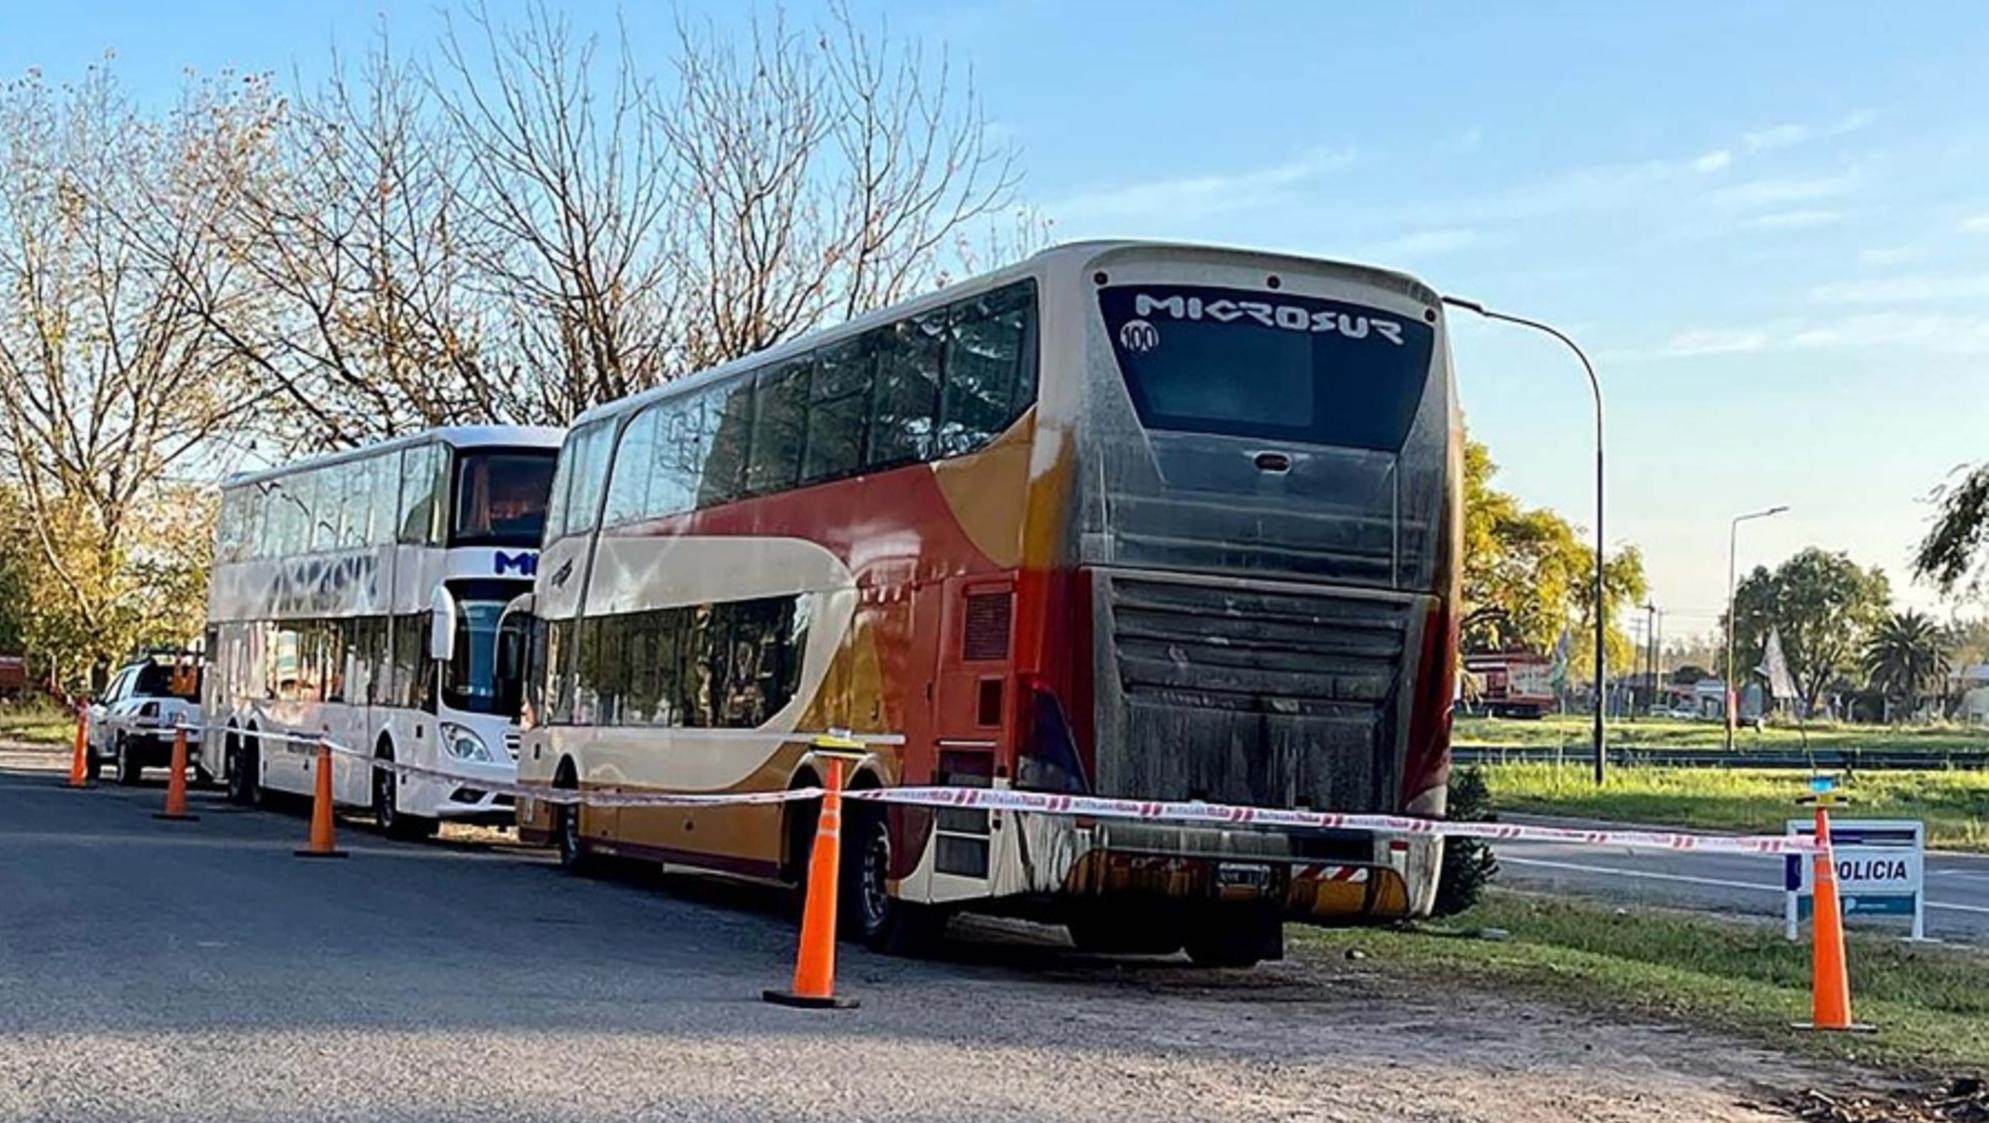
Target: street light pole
[1601, 600]
[1733, 544]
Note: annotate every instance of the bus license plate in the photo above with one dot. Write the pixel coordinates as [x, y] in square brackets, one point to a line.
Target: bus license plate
[1242, 879]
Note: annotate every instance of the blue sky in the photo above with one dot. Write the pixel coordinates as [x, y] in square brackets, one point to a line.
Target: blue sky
[1768, 223]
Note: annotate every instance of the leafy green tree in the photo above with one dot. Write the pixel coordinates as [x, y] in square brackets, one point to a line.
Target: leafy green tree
[1823, 605]
[1907, 652]
[1528, 576]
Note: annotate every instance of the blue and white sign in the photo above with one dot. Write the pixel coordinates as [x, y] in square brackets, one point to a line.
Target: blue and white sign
[1881, 871]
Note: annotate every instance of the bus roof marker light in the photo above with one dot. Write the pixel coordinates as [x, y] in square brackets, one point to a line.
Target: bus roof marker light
[1099, 277]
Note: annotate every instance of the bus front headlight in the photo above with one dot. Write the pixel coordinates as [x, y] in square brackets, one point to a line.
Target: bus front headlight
[462, 743]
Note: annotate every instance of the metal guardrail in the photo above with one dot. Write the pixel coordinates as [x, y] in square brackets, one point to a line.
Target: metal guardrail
[1660, 756]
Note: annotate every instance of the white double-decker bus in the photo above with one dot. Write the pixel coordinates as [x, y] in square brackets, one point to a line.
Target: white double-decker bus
[357, 596]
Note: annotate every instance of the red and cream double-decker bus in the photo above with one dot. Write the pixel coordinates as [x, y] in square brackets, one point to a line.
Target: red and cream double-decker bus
[1137, 520]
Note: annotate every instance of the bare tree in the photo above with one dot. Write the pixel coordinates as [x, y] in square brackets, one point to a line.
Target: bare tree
[568, 183]
[364, 316]
[107, 380]
[820, 175]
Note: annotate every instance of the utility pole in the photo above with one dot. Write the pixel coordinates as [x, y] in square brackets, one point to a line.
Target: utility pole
[1601, 559]
[1650, 650]
[1731, 676]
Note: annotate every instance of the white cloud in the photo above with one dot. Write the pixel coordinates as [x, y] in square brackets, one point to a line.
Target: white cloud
[1713, 161]
[1796, 220]
[1423, 243]
[1783, 136]
[1907, 288]
[1786, 190]
[1714, 341]
[1195, 197]
[1975, 224]
[1891, 255]
[1940, 334]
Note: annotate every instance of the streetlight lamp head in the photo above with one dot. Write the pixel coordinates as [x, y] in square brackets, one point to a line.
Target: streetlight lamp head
[1775, 510]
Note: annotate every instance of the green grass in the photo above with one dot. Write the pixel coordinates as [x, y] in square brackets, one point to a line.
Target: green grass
[39, 721]
[1573, 731]
[1931, 1004]
[1954, 805]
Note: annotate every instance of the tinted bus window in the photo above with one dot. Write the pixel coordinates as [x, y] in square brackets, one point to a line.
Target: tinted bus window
[724, 475]
[590, 470]
[500, 496]
[907, 390]
[838, 407]
[780, 425]
[990, 366]
[418, 472]
[681, 442]
[1268, 364]
[635, 464]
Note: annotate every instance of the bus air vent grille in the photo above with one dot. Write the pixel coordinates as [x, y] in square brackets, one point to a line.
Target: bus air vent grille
[985, 638]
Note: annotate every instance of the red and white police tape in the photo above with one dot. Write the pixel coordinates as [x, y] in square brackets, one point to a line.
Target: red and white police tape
[1098, 807]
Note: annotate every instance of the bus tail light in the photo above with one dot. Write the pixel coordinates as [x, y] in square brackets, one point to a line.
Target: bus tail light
[1426, 764]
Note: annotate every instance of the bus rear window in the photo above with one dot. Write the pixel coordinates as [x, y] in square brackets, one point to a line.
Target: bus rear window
[1268, 364]
[501, 496]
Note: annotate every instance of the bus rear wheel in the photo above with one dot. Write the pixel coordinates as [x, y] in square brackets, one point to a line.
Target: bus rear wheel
[882, 921]
[1123, 930]
[242, 775]
[574, 856]
[1235, 938]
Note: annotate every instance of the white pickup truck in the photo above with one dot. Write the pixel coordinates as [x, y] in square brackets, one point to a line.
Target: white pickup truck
[132, 724]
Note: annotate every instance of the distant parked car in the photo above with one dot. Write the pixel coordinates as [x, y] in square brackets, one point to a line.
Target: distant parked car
[132, 725]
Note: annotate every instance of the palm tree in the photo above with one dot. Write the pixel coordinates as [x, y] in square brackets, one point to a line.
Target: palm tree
[1905, 651]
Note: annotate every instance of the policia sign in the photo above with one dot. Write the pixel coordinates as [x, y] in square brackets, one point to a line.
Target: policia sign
[1881, 871]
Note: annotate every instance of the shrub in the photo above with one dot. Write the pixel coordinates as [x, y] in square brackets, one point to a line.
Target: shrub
[1468, 864]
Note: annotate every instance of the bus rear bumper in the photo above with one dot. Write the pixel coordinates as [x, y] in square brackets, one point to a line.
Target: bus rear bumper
[1337, 877]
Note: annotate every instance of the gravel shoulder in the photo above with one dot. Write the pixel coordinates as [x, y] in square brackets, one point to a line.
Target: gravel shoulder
[196, 971]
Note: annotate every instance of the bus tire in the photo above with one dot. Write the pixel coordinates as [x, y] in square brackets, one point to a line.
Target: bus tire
[241, 772]
[387, 814]
[873, 915]
[574, 855]
[129, 771]
[1118, 930]
[1235, 938]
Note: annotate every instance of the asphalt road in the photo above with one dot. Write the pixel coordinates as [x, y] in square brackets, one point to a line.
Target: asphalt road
[198, 971]
[1957, 884]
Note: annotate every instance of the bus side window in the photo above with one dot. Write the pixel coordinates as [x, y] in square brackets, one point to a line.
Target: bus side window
[780, 425]
[838, 410]
[635, 466]
[907, 391]
[729, 412]
[990, 377]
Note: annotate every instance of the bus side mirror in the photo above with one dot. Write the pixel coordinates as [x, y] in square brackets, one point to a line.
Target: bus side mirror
[442, 625]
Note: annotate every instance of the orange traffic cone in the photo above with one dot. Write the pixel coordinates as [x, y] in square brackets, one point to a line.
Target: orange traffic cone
[1830, 983]
[815, 963]
[176, 783]
[79, 761]
[322, 844]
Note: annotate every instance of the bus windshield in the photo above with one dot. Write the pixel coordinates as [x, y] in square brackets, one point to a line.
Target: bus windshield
[469, 682]
[1269, 365]
[501, 496]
